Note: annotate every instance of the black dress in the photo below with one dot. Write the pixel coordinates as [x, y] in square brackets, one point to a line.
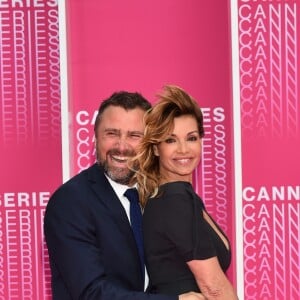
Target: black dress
[176, 232]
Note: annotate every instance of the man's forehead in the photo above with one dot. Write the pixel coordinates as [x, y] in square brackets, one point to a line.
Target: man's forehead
[113, 108]
[125, 117]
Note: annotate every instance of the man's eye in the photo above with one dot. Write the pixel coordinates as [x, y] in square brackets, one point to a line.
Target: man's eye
[136, 136]
[111, 133]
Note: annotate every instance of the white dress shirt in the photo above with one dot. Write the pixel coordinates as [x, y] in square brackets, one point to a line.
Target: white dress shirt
[120, 189]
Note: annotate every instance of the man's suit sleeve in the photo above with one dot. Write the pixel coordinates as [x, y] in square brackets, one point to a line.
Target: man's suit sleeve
[75, 255]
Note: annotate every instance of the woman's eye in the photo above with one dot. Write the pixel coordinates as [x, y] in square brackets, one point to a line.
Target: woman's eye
[169, 141]
[193, 138]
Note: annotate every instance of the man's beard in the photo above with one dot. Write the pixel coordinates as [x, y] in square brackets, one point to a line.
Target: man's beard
[117, 174]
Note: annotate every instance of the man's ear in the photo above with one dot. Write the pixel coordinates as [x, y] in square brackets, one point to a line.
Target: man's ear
[155, 150]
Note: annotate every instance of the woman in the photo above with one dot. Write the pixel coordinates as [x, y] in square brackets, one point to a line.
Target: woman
[185, 249]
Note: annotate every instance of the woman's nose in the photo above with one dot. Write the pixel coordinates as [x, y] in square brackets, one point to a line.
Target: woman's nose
[182, 147]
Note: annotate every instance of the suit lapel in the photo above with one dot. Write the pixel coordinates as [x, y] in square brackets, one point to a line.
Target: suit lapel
[105, 193]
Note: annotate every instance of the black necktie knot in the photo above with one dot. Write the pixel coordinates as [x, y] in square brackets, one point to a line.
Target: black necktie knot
[132, 195]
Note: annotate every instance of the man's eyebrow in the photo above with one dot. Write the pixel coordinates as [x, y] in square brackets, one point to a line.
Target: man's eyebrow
[119, 131]
[112, 129]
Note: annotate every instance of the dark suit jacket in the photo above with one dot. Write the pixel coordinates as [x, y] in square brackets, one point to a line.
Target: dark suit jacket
[91, 246]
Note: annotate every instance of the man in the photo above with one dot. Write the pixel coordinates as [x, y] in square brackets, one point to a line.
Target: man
[92, 250]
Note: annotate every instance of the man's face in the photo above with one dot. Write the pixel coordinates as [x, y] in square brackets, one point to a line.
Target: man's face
[117, 137]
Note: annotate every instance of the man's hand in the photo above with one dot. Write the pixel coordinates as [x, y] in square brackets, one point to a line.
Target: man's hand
[191, 296]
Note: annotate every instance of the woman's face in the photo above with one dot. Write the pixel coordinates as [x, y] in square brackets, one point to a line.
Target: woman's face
[179, 154]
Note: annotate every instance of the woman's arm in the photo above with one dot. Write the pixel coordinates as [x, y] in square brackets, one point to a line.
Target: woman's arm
[212, 281]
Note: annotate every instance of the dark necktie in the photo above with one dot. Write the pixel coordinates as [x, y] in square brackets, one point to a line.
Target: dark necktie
[136, 223]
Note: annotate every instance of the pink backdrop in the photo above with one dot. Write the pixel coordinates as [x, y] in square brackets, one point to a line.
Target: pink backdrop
[30, 143]
[269, 84]
[140, 46]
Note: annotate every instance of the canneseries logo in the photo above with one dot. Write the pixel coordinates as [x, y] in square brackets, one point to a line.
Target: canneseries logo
[271, 241]
[85, 139]
[268, 65]
[215, 165]
[272, 193]
[20, 244]
[24, 199]
[32, 106]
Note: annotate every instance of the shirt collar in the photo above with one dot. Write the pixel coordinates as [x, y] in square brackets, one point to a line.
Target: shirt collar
[119, 188]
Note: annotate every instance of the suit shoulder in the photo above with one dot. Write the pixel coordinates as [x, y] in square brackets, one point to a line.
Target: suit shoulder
[76, 188]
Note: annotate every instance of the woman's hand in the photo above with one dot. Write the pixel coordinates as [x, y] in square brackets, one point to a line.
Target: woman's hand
[191, 296]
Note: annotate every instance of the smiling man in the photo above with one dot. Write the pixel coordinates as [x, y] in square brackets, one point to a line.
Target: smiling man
[118, 132]
[92, 248]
